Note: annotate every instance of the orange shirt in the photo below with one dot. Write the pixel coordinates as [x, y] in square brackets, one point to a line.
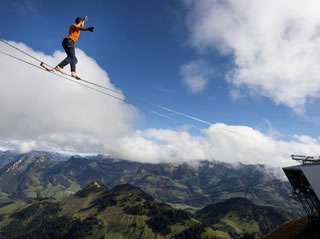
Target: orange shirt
[73, 33]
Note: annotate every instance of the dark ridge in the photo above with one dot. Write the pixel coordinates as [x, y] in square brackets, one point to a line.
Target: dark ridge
[193, 232]
[243, 207]
[93, 187]
[239, 205]
[163, 216]
[129, 188]
[60, 227]
[124, 188]
[268, 218]
[107, 199]
[45, 207]
[26, 212]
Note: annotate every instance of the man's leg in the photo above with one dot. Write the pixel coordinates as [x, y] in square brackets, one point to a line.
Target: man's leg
[73, 59]
[73, 63]
[67, 46]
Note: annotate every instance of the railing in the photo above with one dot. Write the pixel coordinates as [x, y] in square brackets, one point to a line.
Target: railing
[304, 160]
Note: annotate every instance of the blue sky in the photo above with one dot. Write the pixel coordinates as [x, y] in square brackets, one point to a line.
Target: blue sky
[143, 46]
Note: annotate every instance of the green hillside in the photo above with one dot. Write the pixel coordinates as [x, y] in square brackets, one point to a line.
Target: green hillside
[184, 186]
[97, 212]
[240, 217]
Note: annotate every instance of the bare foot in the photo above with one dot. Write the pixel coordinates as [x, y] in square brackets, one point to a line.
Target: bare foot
[58, 68]
[45, 67]
[73, 74]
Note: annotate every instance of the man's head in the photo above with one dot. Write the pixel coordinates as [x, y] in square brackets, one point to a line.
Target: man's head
[80, 20]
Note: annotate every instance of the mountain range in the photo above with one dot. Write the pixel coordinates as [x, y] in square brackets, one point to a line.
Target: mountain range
[43, 175]
[126, 211]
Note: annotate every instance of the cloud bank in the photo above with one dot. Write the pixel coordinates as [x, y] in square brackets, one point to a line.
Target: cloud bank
[220, 142]
[274, 45]
[41, 111]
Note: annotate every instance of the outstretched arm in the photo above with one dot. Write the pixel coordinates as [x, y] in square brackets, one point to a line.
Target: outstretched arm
[82, 28]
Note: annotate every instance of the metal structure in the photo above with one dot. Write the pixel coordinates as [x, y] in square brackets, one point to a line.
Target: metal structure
[305, 181]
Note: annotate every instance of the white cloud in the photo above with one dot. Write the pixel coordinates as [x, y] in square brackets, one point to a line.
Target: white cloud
[231, 144]
[274, 44]
[195, 75]
[23, 146]
[39, 109]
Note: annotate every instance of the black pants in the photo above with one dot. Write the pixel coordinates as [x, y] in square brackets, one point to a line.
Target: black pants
[68, 46]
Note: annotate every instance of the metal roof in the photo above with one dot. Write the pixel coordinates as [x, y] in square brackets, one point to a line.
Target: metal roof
[311, 172]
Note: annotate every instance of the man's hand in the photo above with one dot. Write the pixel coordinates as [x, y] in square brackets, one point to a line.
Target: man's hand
[90, 29]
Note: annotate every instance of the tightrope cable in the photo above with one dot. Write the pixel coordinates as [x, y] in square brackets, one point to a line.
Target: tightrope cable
[138, 99]
[99, 91]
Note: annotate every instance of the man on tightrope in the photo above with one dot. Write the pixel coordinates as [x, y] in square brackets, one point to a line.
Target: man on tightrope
[68, 45]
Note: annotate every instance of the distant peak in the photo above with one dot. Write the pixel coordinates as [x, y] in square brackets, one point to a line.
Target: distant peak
[239, 199]
[96, 184]
[92, 187]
